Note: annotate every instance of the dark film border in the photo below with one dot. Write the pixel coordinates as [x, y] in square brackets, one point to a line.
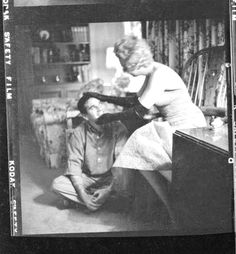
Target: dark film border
[12, 116]
[13, 111]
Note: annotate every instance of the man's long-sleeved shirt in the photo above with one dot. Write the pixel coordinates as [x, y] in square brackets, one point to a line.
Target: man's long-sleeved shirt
[93, 152]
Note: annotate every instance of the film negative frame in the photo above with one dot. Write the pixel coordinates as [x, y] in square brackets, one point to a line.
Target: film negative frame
[12, 104]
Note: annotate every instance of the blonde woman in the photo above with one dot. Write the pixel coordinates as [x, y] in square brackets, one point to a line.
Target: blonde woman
[149, 148]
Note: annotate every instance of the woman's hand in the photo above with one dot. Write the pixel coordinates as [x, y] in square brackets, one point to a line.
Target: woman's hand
[105, 118]
[129, 101]
[132, 114]
[92, 95]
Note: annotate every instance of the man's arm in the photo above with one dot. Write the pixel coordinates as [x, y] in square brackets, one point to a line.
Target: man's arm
[75, 149]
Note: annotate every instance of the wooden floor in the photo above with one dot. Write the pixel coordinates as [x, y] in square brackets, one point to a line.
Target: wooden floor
[41, 209]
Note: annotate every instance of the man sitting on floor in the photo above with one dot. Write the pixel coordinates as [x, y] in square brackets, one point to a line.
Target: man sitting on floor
[92, 150]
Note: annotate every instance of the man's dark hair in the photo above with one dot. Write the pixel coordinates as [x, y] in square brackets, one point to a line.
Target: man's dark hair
[81, 104]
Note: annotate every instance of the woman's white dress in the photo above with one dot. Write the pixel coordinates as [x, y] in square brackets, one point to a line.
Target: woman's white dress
[150, 147]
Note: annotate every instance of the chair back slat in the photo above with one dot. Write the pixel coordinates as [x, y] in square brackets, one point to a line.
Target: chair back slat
[190, 75]
[194, 80]
[221, 100]
[200, 98]
[199, 79]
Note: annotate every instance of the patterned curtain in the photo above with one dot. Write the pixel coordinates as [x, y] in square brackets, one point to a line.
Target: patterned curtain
[173, 42]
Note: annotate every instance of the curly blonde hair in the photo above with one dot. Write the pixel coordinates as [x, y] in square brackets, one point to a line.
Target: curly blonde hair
[133, 53]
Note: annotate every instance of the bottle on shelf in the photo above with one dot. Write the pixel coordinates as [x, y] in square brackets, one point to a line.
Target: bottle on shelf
[86, 56]
[66, 35]
[44, 55]
[69, 77]
[56, 55]
[75, 73]
[63, 35]
[35, 51]
[72, 52]
[81, 53]
[43, 79]
[57, 78]
[79, 78]
[50, 55]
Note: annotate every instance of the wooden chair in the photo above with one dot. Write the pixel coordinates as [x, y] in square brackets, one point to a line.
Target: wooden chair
[204, 74]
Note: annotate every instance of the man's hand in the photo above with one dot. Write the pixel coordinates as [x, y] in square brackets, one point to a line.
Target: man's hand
[83, 195]
[100, 196]
[88, 201]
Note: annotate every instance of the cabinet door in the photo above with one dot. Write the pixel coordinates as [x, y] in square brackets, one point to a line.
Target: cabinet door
[202, 187]
[44, 94]
[72, 90]
[72, 93]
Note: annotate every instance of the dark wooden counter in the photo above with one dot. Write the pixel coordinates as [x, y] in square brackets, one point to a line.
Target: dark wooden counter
[202, 181]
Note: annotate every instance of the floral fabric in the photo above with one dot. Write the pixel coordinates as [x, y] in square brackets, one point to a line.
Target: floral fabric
[48, 118]
[173, 42]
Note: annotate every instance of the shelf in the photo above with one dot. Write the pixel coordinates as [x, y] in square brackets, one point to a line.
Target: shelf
[72, 43]
[50, 43]
[64, 63]
[60, 85]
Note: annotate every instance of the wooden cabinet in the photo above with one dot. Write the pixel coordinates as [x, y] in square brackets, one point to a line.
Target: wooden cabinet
[61, 59]
[202, 185]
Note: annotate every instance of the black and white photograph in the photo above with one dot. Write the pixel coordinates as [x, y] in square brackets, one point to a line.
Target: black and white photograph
[120, 116]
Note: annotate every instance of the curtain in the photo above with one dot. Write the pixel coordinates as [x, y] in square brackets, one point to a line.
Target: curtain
[173, 42]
